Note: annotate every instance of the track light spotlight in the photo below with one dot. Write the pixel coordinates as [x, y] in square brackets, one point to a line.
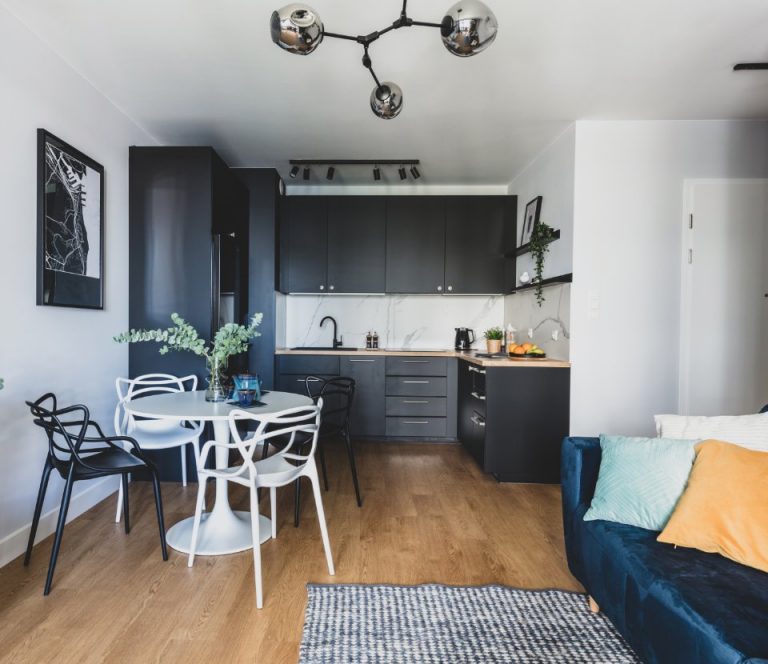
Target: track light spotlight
[294, 172]
[415, 173]
[401, 172]
[331, 172]
[377, 173]
[306, 173]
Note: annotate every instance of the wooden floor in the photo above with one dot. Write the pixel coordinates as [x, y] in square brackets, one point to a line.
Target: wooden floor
[429, 515]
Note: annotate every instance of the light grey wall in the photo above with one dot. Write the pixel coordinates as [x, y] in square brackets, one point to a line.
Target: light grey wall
[67, 351]
[625, 304]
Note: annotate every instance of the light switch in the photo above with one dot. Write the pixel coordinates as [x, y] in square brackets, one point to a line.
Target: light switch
[593, 304]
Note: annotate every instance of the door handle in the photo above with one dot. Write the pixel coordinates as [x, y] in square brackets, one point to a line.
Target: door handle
[413, 401]
[480, 371]
[477, 421]
[416, 422]
[416, 382]
[477, 395]
[427, 361]
[362, 360]
[308, 380]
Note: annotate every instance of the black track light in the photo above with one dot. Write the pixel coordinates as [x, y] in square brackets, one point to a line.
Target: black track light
[306, 172]
[294, 172]
[377, 173]
[415, 173]
[331, 172]
[401, 172]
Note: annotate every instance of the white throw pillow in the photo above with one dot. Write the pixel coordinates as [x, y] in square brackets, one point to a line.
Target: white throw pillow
[750, 431]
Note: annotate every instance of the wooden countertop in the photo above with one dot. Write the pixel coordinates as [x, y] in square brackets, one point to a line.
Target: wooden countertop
[469, 356]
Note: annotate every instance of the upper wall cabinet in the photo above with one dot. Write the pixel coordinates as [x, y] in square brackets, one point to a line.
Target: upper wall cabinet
[303, 244]
[475, 243]
[415, 244]
[356, 244]
[397, 244]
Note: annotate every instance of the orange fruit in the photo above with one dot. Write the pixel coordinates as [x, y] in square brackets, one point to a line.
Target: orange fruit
[527, 346]
[520, 350]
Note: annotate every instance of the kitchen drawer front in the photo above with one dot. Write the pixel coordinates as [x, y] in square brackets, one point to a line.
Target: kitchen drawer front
[295, 382]
[417, 366]
[417, 406]
[416, 386]
[416, 427]
[308, 365]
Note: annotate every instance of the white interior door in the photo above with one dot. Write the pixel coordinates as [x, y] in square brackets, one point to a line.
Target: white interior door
[724, 318]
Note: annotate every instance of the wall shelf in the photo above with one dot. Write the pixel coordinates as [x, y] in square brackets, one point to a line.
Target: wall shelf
[526, 248]
[552, 281]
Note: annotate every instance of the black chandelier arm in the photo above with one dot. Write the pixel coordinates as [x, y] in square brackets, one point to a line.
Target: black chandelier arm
[369, 66]
[336, 35]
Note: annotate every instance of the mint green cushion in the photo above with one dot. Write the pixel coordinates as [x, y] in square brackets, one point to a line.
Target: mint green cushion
[640, 480]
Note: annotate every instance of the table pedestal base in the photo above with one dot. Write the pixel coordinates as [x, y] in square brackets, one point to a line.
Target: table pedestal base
[217, 535]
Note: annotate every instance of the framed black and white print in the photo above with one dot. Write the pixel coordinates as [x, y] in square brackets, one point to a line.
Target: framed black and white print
[70, 226]
[530, 219]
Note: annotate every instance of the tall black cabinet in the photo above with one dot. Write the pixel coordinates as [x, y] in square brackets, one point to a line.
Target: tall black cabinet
[188, 240]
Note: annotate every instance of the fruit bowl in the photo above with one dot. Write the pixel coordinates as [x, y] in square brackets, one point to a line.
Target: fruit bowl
[526, 351]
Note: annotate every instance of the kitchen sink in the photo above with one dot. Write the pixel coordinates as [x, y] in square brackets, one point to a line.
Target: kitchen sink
[344, 348]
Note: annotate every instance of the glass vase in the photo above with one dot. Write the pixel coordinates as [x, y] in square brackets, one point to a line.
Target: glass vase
[217, 388]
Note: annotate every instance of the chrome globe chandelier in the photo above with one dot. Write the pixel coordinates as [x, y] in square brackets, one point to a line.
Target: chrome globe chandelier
[468, 28]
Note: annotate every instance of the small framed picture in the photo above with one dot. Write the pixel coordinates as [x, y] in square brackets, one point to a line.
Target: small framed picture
[70, 226]
[530, 219]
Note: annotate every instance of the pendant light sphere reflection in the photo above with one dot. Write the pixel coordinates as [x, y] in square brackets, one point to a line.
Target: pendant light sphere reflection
[387, 100]
[297, 28]
[468, 28]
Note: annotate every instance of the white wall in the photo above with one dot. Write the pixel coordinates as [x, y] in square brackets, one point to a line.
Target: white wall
[625, 305]
[550, 175]
[67, 351]
[402, 321]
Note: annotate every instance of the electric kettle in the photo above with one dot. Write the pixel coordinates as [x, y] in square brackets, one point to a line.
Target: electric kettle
[464, 338]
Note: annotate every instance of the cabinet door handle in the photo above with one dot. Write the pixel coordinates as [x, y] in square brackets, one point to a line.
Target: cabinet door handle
[415, 361]
[308, 380]
[322, 287]
[416, 382]
[439, 288]
[477, 395]
[414, 401]
[450, 288]
[362, 360]
[331, 287]
[416, 422]
[477, 421]
[480, 371]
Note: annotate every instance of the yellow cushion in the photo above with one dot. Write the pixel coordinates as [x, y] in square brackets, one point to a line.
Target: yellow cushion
[724, 508]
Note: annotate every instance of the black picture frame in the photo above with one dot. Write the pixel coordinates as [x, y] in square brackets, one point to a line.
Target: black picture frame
[68, 273]
[530, 219]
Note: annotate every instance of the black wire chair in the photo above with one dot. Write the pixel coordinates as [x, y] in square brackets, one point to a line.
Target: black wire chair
[338, 395]
[77, 456]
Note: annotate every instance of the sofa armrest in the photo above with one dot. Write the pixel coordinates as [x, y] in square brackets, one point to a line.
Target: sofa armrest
[579, 467]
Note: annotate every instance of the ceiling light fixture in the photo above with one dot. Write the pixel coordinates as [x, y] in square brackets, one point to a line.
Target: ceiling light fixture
[376, 173]
[306, 172]
[331, 172]
[294, 172]
[415, 173]
[468, 28]
[401, 172]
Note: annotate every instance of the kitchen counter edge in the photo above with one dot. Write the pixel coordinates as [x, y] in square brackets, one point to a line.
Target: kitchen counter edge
[467, 356]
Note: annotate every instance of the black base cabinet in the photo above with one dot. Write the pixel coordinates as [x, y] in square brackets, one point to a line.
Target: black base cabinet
[513, 420]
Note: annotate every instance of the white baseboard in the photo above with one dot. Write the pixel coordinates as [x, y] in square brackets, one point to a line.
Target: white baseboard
[15, 544]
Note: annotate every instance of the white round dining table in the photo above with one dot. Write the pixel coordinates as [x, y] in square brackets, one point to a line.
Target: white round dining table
[222, 530]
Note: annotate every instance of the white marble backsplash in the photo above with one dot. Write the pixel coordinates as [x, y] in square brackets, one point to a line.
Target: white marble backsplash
[523, 313]
[402, 321]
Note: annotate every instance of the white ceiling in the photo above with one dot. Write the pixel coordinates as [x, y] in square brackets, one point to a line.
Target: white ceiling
[202, 72]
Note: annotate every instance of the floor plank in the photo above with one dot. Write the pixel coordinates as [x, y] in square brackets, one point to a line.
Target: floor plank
[429, 515]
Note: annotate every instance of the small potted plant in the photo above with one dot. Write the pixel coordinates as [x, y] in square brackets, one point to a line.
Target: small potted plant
[493, 337]
[231, 339]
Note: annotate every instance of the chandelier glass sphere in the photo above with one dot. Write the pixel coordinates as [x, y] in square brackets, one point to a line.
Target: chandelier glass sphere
[296, 28]
[468, 27]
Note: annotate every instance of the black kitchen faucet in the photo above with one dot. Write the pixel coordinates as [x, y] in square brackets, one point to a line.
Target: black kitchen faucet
[336, 342]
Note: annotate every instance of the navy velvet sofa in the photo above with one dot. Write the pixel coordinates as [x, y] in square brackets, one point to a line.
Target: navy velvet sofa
[672, 605]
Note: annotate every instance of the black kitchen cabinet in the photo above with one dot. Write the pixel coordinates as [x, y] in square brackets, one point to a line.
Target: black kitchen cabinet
[513, 420]
[476, 237]
[398, 244]
[368, 408]
[415, 244]
[356, 244]
[304, 244]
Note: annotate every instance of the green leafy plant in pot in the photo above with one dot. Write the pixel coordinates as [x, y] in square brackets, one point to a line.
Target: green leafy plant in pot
[541, 238]
[231, 339]
[493, 337]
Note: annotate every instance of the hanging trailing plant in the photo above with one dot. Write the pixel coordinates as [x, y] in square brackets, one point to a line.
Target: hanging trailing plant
[541, 237]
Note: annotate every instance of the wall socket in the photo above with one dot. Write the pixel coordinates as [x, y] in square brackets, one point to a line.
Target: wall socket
[530, 333]
[555, 335]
